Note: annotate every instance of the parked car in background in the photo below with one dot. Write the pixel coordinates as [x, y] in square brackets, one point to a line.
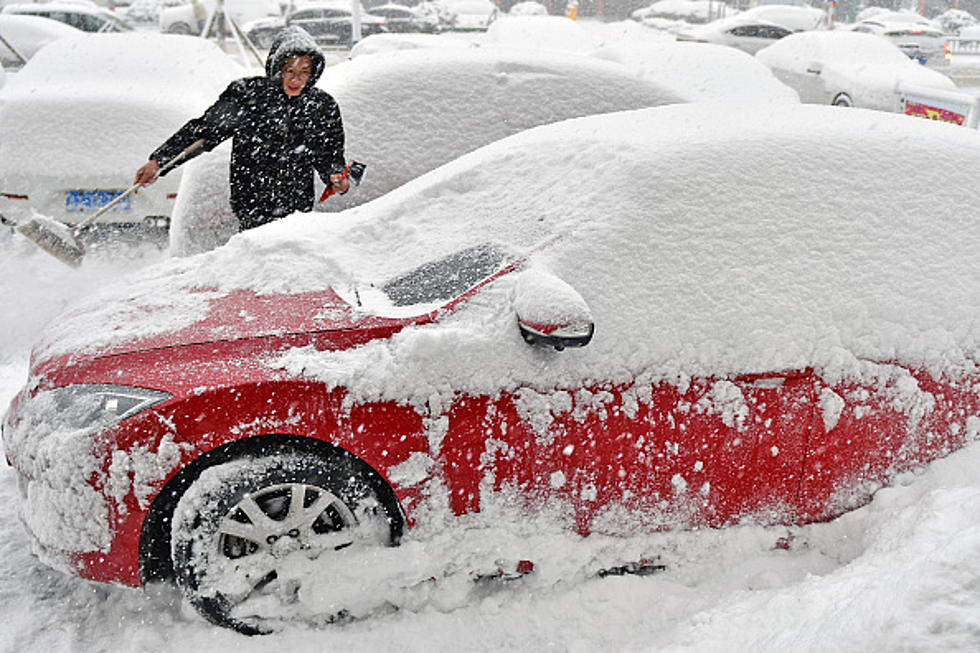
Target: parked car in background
[399, 18]
[188, 19]
[963, 55]
[83, 16]
[918, 37]
[795, 17]
[28, 34]
[747, 34]
[85, 112]
[587, 350]
[470, 15]
[848, 69]
[329, 23]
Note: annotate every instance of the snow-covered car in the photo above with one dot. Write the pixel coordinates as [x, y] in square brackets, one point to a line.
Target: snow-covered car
[329, 22]
[631, 338]
[528, 8]
[747, 34]
[795, 17]
[540, 32]
[449, 101]
[27, 35]
[87, 17]
[691, 11]
[400, 18]
[470, 15]
[85, 113]
[918, 37]
[190, 19]
[847, 69]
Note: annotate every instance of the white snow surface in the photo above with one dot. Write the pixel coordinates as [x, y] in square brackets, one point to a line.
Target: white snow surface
[902, 573]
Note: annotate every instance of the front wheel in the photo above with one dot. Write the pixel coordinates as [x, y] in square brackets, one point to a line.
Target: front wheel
[843, 100]
[247, 534]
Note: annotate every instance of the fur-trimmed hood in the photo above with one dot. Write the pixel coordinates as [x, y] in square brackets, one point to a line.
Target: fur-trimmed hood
[291, 42]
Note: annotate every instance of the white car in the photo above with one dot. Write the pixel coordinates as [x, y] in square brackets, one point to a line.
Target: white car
[27, 35]
[471, 15]
[87, 17]
[191, 19]
[86, 112]
[747, 34]
[409, 111]
[847, 69]
[795, 17]
[916, 36]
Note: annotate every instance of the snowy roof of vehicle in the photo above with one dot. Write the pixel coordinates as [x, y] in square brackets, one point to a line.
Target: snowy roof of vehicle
[837, 45]
[76, 91]
[706, 239]
[540, 32]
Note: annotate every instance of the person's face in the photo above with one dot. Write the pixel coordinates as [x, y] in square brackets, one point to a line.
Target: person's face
[296, 72]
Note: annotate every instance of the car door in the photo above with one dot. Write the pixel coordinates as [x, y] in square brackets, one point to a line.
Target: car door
[646, 454]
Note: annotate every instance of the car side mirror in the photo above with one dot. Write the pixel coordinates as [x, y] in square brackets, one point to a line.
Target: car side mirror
[815, 67]
[550, 312]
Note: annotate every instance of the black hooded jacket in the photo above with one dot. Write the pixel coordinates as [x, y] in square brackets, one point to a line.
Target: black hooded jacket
[277, 140]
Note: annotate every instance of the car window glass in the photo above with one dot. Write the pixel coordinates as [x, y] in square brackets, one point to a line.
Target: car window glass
[445, 278]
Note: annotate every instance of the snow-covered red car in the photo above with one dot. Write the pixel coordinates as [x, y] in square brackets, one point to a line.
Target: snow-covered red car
[680, 317]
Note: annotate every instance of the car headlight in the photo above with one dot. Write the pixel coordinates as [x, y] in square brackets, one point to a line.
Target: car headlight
[101, 405]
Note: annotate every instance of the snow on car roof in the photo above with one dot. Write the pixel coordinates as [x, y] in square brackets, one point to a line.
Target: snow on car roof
[92, 97]
[27, 33]
[842, 46]
[543, 32]
[701, 71]
[706, 239]
[407, 112]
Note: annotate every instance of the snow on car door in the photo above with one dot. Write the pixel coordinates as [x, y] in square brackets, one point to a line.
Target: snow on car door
[644, 456]
[867, 432]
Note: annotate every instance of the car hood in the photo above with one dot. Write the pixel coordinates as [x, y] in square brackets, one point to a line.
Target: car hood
[101, 327]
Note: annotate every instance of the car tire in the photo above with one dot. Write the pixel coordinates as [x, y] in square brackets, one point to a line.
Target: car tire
[235, 526]
[843, 100]
[179, 28]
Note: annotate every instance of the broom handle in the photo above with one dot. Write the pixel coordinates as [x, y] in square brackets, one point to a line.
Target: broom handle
[190, 149]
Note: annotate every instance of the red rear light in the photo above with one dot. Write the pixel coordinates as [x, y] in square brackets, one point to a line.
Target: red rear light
[948, 51]
[13, 196]
[171, 196]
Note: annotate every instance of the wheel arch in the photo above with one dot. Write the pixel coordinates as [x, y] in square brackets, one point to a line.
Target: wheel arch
[155, 562]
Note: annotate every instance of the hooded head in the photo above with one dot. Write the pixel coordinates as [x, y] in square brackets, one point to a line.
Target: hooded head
[293, 42]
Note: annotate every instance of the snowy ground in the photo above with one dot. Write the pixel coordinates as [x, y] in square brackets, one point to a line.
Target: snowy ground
[901, 574]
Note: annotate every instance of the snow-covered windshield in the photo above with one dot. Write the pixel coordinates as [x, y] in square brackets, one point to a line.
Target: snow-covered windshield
[445, 278]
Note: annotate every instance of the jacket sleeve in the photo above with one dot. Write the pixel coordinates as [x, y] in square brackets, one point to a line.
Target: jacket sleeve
[217, 124]
[329, 139]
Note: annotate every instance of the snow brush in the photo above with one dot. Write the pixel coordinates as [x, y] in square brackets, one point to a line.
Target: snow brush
[354, 170]
[61, 241]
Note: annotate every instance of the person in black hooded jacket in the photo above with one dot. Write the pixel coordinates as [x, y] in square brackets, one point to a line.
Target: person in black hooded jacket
[282, 129]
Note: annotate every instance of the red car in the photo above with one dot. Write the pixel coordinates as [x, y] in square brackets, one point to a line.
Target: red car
[627, 362]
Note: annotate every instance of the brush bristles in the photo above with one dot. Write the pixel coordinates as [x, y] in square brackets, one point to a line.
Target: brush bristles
[55, 239]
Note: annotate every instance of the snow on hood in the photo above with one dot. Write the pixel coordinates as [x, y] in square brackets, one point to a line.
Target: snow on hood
[705, 240]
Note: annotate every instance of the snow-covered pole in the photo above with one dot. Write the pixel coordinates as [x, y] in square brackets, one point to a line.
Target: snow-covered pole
[355, 18]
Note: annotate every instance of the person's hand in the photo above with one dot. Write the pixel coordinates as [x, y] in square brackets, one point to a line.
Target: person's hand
[148, 173]
[340, 183]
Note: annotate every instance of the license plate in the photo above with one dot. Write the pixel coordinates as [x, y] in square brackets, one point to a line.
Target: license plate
[93, 200]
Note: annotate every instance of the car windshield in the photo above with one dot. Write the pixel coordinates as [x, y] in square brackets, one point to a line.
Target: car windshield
[444, 278]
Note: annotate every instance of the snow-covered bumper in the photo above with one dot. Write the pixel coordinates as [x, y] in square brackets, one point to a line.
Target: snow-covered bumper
[81, 474]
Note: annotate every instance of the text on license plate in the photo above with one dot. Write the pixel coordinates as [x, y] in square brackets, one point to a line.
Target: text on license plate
[93, 200]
